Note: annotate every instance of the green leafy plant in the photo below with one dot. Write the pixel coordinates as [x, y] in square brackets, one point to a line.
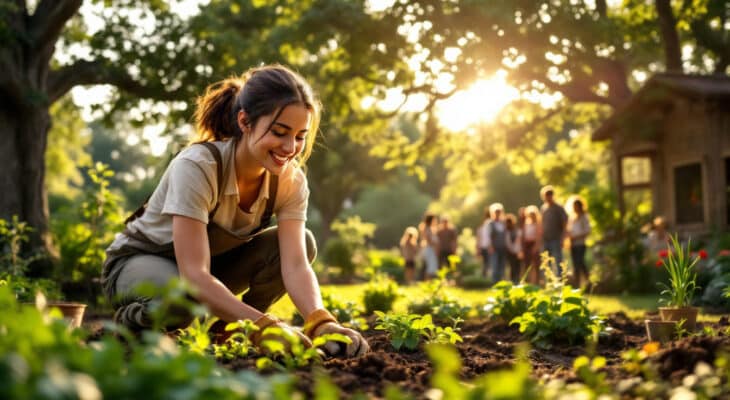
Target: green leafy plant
[347, 250]
[680, 265]
[13, 263]
[287, 352]
[558, 314]
[509, 300]
[407, 330]
[83, 233]
[238, 344]
[380, 294]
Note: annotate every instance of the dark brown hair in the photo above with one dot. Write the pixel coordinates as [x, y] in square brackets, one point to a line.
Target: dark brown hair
[259, 91]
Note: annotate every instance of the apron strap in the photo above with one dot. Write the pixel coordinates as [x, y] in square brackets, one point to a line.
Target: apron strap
[269, 211]
[219, 171]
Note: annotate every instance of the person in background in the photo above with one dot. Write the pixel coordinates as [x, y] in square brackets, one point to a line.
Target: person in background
[497, 232]
[658, 238]
[448, 238]
[554, 221]
[514, 247]
[579, 227]
[207, 221]
[483, 243]
[409, 251]
[430, 243]
[531, 243]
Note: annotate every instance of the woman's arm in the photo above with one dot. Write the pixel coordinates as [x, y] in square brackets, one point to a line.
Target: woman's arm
[192, 252]
[299, 278]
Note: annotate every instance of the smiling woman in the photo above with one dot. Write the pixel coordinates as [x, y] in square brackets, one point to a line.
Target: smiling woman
[480, 103]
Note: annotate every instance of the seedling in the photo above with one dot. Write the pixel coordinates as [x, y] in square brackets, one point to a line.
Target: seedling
[286, 351]
[406, 330]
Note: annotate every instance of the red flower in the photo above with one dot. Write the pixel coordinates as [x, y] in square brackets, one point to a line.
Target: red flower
[663, 253]
[659, 263]
[702, 254]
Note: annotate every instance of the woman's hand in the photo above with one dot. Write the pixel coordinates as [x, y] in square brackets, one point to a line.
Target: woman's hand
[284, 334]
[321, 322]
[358, 347]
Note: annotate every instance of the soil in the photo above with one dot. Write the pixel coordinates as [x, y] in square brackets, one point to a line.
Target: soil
[490, 346]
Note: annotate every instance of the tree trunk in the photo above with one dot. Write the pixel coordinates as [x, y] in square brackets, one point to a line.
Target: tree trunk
[24, 133]
[670, 36]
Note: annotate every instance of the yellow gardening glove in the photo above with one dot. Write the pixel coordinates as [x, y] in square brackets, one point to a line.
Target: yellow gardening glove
[321, 322]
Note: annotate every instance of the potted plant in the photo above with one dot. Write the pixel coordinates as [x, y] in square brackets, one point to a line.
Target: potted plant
[680, 264]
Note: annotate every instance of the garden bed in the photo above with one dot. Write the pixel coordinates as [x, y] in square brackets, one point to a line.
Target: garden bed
[490, 346]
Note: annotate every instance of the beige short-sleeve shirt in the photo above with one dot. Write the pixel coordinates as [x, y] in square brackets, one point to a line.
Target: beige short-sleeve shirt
[189, 188]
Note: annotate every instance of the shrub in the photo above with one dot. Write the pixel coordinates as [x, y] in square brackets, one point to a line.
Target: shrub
[387, 262]
[347, 250]
[380, 294]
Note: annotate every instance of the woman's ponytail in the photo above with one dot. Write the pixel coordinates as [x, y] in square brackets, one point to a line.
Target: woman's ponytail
[214, 117]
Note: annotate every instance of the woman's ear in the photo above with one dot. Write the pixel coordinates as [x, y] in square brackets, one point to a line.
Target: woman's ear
[243, 123]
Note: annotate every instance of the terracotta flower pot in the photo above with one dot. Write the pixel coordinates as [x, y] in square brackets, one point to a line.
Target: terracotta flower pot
[73, 313]
[660, 331]
[676, 314]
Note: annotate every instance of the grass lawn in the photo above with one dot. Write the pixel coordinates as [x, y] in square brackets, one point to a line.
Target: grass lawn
[635, 306]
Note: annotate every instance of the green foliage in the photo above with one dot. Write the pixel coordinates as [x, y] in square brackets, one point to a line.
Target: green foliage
[437, 303]
[348, 251]
[347, 313]
[407, 330]
[13, 263]
[238, 344]
[408, 205]
[13, 234]
[380, 294]
[41, 358]
[682, 275]
[558, 314]
[388, 262]
[65, 153]
[292, 354]
[510, 301]
[84, 233]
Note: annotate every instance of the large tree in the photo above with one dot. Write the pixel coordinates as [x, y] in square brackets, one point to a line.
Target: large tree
[145, 51]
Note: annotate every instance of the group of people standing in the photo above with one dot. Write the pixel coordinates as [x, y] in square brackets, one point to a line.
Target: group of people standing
[517, 240]
[434, 241]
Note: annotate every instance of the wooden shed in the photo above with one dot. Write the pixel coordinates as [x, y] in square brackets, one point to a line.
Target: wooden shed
[670, 144]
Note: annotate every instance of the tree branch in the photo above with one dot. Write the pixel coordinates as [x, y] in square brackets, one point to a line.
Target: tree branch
[48, 21]
[62, 80]
[602, 8]
[670, 37]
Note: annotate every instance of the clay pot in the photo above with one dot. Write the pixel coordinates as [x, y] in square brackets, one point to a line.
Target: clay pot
[73, 313]
[660, 331]
[676, 314]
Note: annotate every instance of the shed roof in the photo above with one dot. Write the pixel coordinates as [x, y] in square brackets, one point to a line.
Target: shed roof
[659, 90]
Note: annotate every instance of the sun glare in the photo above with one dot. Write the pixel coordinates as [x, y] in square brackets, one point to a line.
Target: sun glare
[480, 103]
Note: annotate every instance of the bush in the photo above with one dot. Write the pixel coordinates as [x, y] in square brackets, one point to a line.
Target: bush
[388, 262]
[475, 282]
[510, 301]
[380, 294]
[347, 250]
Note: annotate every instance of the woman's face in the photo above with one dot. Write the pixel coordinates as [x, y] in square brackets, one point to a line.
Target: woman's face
[276, 148]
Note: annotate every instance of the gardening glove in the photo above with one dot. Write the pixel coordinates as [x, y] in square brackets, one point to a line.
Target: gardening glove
[321, 322]
[263, 334]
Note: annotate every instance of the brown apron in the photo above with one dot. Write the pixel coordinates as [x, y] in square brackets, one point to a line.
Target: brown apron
[220, 239]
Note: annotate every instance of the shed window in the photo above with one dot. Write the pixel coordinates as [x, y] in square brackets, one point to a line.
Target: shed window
[635, 170]
[688, 194]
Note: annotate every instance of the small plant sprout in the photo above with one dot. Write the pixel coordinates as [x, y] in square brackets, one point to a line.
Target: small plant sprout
[285, 351]
[239, 343]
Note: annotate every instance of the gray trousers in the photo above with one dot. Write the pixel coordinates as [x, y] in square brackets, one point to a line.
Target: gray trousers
[255, 265]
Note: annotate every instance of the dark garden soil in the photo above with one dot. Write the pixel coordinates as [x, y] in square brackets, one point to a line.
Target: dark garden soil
[490, 346]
